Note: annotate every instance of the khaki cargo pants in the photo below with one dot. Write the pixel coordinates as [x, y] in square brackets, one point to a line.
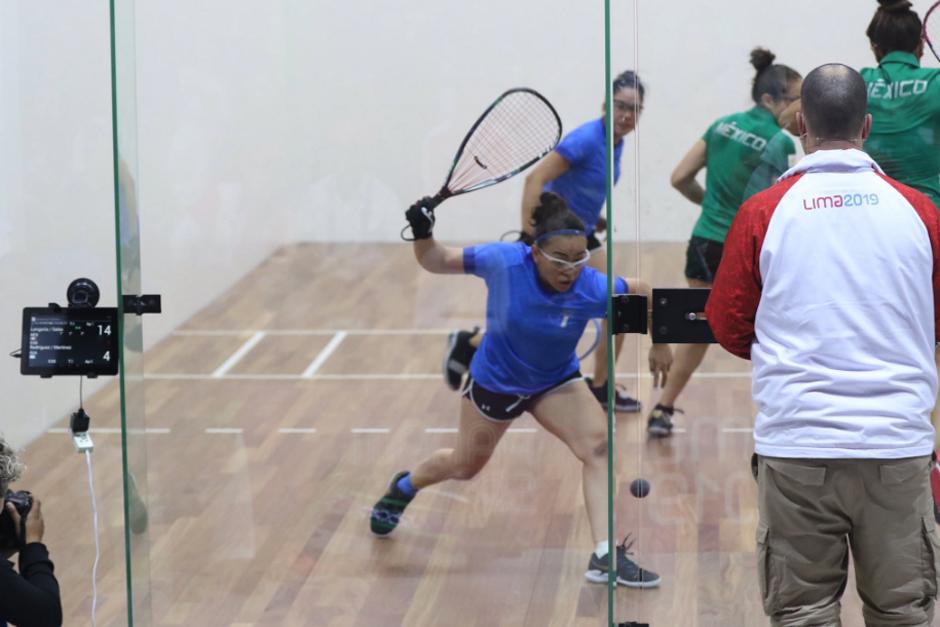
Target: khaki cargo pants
[812, 511]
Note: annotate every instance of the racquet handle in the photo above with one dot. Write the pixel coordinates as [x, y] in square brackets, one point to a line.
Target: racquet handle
[438, 198]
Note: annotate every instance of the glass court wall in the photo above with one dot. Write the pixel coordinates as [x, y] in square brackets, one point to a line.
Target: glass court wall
[297, 365]
[260, 158]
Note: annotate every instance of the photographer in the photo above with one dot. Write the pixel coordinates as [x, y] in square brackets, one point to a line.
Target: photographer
[29, 598]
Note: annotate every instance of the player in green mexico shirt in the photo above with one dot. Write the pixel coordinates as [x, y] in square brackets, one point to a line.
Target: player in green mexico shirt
[742, 153]
[904, 101]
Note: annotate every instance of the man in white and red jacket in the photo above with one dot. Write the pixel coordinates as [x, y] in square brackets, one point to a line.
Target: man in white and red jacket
[829, 284]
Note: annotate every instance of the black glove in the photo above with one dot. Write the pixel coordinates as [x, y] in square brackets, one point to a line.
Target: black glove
[421, 218]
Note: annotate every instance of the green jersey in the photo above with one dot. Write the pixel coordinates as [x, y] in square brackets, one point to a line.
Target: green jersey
[744, 154]
[904, 101]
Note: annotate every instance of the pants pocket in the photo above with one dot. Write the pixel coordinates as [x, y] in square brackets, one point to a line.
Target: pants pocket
[931, 557]
[767, 575]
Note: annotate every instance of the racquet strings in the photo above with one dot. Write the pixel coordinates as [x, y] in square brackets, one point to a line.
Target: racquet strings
[520, 129]
[932, 29]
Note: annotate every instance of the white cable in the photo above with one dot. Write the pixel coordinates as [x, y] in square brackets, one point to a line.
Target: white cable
[94, 512]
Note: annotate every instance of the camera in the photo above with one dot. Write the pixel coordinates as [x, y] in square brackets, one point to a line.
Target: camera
[81, 339]
[10, 537]
[82, 293]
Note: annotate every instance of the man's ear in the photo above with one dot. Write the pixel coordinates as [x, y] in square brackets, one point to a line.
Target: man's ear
[801, 124]
[866, 127]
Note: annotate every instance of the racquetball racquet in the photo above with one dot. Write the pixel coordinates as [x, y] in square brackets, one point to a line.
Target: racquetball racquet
[931, 32]
[514, 132]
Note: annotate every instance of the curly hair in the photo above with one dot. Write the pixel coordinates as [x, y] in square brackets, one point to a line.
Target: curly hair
[11, 468]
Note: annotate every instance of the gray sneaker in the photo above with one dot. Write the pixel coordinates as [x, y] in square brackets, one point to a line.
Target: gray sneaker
[628, 572]
[623, 402]
[660, 421]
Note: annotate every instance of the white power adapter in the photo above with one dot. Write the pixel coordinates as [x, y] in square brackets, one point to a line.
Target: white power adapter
[82, 442]
[79, 428]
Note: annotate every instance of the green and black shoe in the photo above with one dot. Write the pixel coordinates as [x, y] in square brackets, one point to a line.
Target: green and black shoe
[386, 513]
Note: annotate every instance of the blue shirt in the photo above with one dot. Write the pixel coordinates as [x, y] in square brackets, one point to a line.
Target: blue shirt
[531, 331]
[584, 184]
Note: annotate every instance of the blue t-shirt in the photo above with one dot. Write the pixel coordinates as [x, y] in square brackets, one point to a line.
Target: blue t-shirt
[584, 184]
[531, 332]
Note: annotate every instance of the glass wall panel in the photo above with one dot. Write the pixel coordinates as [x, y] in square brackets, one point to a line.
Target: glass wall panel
[297, 365]
[697, 527]
[57, 224]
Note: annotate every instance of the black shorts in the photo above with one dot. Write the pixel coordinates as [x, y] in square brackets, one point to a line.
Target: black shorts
[498, 406]
[702, 258]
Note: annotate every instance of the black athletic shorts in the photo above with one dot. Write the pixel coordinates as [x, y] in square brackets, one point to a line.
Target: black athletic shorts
[498, 406]
[702, 258]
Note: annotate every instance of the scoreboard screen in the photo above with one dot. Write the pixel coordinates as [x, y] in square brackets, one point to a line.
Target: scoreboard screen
[62, 341]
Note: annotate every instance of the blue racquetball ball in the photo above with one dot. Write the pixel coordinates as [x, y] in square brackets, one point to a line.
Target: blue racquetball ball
[639, 488]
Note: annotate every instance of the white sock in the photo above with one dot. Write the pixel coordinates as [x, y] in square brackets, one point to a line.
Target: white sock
[602, 548]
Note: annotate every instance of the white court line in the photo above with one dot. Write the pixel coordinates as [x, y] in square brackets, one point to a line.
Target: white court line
[418, 376]
[369, 430]
[292, 377]
[324, 355]
[111, 430]
[737, 430]
[222, 332]
[237, 356]
[378, 377]
[697, 375]
[224, 430]
[521, 430]
[296, 430]
[440, 430]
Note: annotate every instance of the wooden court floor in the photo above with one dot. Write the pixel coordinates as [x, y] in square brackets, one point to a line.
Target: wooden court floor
[276, 415]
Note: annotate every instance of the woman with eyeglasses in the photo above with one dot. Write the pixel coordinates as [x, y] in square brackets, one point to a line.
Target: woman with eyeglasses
[539, 300]
[742, 154]
[577, 171]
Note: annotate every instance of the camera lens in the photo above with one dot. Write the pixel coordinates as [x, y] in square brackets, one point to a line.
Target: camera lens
[82, 293]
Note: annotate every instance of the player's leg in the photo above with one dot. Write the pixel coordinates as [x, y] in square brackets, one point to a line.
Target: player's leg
[598, 382]
[688, 357]
[702, 259]
[570, 413]
[477, 437]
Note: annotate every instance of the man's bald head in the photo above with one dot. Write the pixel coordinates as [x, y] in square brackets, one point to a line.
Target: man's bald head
[834, 102]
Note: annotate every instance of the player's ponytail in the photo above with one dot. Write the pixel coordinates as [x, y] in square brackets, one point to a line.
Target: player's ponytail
[770, 78]
[553, 215]
[895, 27]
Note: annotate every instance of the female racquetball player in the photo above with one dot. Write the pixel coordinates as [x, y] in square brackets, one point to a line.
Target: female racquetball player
[742, 153]
[539, 300]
